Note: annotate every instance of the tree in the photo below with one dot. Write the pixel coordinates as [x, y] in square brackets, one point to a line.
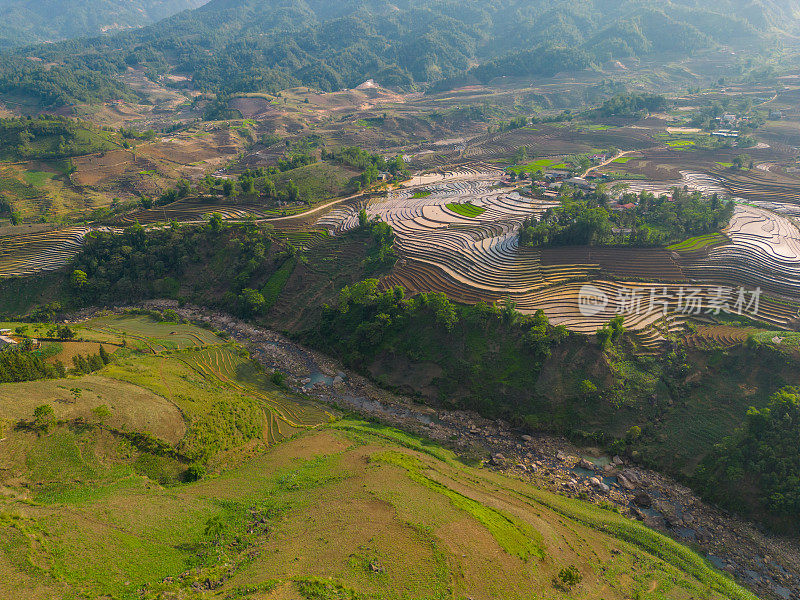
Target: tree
[633, 434]
[269, 187]
[215, 222]
[248, 185]
[568, 577]
[251, 302]
[184, 188]
[104, 355]
[78, 280]
[742, 161]
[43, 417]
[292, 191]
[101, 413]
[227, 188]
[588, 389]
[16, 217]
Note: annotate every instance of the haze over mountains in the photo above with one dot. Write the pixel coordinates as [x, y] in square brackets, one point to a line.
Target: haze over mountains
[248, 45]
[30, 21]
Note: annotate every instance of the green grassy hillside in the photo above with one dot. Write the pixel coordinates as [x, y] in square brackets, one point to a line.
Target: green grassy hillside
[95, 502]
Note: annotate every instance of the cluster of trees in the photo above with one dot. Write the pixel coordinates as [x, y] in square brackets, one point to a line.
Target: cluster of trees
[48, 137]
[757, 468]
[25, 364]
[83, 365]
[381, 256]
[585, 220]
[137, 265]
[487, 357]
[168, 196]
[370, 164]
[58, 85]
[632, 105]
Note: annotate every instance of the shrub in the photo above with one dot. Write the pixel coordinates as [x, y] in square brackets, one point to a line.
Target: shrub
[568, 577]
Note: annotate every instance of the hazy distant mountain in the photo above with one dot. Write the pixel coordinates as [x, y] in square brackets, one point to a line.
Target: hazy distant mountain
[247, 45]
[29, 21]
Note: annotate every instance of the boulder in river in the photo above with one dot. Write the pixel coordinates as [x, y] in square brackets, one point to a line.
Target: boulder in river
[625, 483]
[643, 500]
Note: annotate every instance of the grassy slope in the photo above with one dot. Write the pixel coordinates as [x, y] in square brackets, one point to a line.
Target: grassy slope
[349, 511]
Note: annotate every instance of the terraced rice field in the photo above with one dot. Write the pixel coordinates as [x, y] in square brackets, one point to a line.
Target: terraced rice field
[151, 335]
[476, 257]
[192, 211]
[229, 366]
[699, 242]
[467, 209]
[719, 336]
[764, 252]
[38, 252]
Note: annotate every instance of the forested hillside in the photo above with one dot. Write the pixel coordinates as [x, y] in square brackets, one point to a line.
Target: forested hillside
[27, 21]
[248, 45]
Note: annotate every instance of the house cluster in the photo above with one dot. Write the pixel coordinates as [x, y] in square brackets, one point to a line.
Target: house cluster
[727, 126]
[552, 181]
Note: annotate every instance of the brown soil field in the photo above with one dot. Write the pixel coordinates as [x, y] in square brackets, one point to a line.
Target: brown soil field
[104, 168]
[639, 263]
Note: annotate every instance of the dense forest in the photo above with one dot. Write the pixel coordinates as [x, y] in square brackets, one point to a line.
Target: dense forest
[586, 220]
[487, 357]
[757, 468]
[246, 45]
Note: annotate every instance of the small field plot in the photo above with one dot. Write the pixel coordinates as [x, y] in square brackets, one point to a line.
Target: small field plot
[467, 209]
[532, 167]
[148, 333]
[699, 242]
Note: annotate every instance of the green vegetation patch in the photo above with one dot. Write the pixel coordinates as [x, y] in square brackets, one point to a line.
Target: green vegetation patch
[699, 242]
[37, 178]
[421, 194]
[50, 137]
[515, 537]
[680, 143]
[467, 209]
[532, 167]
[277, 281]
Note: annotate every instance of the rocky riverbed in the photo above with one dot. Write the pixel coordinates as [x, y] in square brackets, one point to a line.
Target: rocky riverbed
[766, 564]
